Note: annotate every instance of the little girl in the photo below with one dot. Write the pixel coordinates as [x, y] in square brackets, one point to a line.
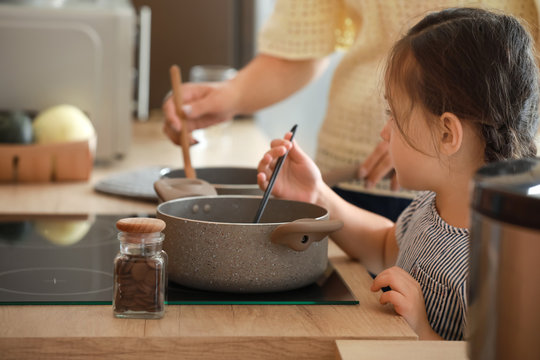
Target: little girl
[462, 91]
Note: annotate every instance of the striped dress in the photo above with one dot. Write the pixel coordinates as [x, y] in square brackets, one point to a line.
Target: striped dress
[437, 256]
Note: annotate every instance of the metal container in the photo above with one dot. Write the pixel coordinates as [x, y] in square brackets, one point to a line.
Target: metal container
[226, 180]
[504, 291]
[214, 245]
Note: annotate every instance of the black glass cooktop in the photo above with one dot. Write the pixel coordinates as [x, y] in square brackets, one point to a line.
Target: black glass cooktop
[68, 259]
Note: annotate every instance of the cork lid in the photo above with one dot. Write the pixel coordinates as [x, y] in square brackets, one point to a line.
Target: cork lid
[140, 225]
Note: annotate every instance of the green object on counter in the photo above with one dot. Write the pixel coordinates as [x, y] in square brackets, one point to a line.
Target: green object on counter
[15, 128]
[13, 231]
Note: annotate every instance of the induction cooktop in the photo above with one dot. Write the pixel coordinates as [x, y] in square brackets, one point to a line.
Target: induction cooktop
[68, 260]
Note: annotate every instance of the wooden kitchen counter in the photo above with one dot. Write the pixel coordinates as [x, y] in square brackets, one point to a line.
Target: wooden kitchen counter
[186, 331]
[400, 349]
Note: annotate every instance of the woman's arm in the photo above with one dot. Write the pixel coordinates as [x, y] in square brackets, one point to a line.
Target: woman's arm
[263, 82]
[267, 80]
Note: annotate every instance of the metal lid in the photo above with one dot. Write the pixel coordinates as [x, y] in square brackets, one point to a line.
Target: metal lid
[509, 191]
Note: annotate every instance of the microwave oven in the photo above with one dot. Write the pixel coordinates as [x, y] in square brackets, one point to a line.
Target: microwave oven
[77, 52]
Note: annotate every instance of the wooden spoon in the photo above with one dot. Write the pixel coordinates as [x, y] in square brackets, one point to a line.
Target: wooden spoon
[176, 81]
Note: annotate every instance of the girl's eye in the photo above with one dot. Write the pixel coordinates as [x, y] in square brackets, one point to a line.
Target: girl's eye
[388, 113]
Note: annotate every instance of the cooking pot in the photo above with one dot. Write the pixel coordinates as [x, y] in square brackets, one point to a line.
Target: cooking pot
[504, 283]
[226, 180]
[213, 245]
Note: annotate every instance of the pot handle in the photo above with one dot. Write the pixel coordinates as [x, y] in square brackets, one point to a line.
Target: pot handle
[175, 188]
[299, 234]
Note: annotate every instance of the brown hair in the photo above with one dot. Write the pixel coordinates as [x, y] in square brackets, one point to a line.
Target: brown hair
[476, 64]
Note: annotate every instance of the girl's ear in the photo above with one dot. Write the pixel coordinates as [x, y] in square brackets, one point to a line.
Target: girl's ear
[451, 136]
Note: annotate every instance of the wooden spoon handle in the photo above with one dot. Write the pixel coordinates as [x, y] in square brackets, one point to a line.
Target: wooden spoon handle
[176, 81]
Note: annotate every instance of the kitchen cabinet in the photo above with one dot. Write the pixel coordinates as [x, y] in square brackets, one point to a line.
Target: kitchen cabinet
[186, 331]
[202, 32]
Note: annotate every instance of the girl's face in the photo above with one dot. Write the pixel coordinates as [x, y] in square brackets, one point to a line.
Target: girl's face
[414, 158]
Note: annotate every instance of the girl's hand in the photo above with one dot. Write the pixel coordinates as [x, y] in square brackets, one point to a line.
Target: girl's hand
[299, 177]
[377, 166]
[406, 296]
[204, 104]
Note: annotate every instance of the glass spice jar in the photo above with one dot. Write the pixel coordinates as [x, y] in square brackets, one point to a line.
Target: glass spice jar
[140, 269]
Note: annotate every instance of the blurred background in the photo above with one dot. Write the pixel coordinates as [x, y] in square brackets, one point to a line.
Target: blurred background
[111, 58]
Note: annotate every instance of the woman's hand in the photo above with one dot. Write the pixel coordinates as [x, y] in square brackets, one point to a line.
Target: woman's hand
[299, 177]
[377, 166]
[406, 296]
[204, 104]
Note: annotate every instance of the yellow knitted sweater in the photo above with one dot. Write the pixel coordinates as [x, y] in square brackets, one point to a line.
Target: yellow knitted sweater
[301, 29]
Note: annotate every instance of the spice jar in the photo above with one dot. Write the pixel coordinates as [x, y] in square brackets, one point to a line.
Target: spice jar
[140, 269]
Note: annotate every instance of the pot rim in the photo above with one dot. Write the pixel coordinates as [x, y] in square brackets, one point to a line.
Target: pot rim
[167, 203]
[167, 171]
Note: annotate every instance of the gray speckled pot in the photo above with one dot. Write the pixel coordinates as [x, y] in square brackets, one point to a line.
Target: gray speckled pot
[213, 245]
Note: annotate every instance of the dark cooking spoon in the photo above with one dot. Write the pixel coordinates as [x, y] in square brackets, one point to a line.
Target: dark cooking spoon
[268, 191]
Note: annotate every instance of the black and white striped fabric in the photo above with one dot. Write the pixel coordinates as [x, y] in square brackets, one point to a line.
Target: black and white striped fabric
[437, 256]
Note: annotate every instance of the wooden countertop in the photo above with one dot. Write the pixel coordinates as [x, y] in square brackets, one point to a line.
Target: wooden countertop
[401, 349]
[186, 331]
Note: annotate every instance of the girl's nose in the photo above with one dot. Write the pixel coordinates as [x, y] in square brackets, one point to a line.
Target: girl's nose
[385, 132]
